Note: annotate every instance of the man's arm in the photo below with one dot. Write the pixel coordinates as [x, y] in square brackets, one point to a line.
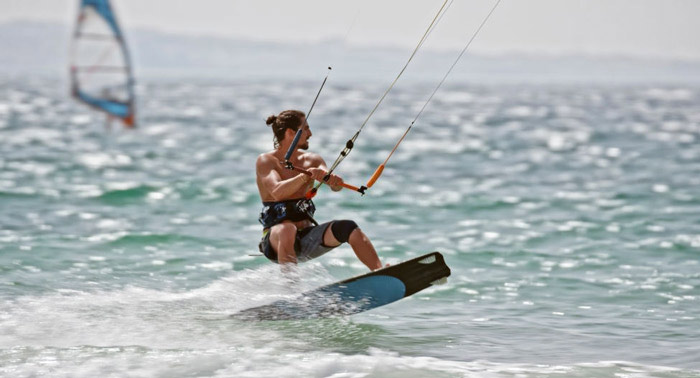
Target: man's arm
[333, 182]
[272, 181]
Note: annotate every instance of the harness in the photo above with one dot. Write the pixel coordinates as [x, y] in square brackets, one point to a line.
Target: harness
[294, 210]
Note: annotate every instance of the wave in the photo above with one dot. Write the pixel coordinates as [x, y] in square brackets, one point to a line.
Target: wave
[249, 362]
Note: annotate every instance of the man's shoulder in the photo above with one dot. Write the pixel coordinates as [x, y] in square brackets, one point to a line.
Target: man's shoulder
[311, 157]
[266, 158]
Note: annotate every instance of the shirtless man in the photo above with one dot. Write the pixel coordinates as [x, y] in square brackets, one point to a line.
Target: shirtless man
[290, 233]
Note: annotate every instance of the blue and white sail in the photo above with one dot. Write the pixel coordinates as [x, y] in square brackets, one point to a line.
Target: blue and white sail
[101, 74]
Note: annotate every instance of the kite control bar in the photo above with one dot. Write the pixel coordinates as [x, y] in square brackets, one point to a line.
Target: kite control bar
[311, 194]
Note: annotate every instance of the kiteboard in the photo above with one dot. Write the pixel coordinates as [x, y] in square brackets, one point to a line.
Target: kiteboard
[357, 294]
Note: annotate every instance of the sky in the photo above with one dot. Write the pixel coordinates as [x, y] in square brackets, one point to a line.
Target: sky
[640, 28]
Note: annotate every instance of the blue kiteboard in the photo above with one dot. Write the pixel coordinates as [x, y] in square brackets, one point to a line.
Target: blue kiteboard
[357, 294]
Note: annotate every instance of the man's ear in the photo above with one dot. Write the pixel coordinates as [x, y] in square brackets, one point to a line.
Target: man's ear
[289, 133]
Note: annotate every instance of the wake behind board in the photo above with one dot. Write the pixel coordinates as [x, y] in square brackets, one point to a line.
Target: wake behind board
[357, 294]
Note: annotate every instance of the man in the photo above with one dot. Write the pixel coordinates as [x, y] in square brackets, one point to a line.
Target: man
[290, 233]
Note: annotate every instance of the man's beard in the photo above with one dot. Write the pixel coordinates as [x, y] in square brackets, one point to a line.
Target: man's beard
[304, 146]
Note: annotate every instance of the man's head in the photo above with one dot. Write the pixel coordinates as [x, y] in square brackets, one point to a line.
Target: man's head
[286, 124]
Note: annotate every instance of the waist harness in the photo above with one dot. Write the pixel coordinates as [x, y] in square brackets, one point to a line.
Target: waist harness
[294, 210]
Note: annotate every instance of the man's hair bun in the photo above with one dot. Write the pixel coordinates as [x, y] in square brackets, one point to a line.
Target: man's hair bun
[288, 119]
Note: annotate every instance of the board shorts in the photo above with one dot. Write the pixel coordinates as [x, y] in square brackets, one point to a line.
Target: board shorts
[308, 244]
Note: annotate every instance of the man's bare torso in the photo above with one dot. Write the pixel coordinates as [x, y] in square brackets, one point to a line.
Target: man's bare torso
[272, 163]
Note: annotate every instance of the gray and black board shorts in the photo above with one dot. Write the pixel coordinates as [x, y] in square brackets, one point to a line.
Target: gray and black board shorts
[308, 244]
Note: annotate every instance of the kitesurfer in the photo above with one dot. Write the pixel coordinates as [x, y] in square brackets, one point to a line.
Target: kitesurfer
[290, 233]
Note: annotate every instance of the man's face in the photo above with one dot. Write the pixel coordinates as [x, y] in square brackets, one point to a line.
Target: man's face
[305, 135]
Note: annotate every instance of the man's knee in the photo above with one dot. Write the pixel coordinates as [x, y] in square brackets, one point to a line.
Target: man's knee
[284, 231]
[342, 229]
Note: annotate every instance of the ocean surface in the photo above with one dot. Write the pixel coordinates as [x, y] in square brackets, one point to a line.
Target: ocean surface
[569, 215]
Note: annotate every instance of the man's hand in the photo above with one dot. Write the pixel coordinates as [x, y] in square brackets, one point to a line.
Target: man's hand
[334, 181]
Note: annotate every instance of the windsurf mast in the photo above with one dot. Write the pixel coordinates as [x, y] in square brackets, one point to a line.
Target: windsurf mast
[351, 142]
[380, 168]
[100, 71]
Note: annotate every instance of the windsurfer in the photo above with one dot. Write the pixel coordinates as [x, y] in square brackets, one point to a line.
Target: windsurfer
[290, 233]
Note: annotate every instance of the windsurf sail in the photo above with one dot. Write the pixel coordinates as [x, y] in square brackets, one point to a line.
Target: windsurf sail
[100, 71]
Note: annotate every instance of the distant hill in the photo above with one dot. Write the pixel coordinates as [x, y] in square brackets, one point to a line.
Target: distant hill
[31, 48]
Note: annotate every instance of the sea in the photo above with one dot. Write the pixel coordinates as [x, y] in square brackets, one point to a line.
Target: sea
[569, 215]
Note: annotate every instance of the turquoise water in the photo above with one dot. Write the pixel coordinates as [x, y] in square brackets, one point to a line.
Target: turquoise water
[569, 216]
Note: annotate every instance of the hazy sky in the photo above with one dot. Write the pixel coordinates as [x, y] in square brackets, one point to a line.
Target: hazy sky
[658, 28]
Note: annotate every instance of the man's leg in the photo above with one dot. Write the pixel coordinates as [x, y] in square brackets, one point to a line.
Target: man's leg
[347, 231]
[282, 238]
